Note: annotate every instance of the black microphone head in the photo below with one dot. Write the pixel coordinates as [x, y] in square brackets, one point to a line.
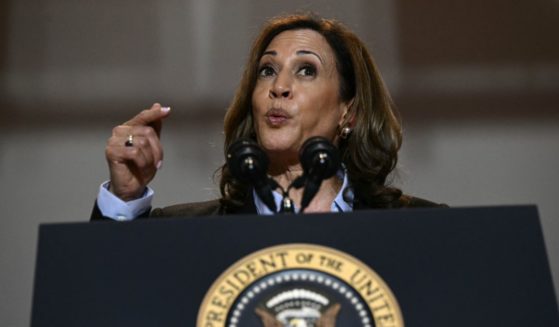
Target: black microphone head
[246, 160]
[249, 163]
[319, 157]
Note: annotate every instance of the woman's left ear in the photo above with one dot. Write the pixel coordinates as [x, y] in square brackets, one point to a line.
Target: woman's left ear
[347, 115]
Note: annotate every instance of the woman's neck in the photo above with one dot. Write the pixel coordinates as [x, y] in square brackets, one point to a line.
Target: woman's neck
[323, 199]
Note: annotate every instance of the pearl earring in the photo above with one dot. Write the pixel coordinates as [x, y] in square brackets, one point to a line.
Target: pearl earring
[345, 132]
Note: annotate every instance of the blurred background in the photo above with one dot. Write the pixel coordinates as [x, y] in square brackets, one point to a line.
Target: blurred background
[476, 83]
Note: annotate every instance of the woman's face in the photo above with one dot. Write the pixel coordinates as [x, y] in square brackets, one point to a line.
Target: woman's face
[296, 94]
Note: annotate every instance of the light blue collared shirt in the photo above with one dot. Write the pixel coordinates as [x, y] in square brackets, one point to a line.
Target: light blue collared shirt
[338, 205]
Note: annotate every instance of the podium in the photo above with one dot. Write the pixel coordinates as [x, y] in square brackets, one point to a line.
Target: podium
[435, 267]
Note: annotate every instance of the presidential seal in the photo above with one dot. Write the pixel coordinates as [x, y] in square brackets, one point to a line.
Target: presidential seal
[299, 285]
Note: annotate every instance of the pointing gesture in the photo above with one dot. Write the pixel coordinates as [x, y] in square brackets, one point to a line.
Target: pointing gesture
[134, 152]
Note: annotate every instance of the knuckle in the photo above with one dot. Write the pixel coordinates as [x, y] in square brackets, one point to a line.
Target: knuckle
[140, 130]
[119, 130]
[149, 132]
[142, 142]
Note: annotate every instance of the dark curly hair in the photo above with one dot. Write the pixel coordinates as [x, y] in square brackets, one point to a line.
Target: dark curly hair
[371, 151]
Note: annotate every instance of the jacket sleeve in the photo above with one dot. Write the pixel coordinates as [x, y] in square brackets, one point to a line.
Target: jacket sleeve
[96, 214]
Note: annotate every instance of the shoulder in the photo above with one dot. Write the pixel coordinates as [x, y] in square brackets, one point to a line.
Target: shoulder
[408, 201]
[205, 208]
[398, 201]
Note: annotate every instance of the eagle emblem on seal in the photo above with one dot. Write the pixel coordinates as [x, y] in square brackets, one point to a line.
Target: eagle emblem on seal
[298, 307]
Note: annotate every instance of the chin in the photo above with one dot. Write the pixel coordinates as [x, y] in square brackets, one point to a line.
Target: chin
[278, 144]
[278, 147]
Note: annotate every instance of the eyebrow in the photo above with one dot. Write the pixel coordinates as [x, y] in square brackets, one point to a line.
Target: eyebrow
[307, 52]
[299, 52]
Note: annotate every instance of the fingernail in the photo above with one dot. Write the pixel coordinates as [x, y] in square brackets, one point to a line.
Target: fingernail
[159, 164]
[165, 109]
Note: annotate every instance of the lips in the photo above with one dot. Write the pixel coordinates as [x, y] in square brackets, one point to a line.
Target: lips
[277, 116]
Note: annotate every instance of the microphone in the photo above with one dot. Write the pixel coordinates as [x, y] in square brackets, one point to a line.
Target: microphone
[320, 160]
[249, 163]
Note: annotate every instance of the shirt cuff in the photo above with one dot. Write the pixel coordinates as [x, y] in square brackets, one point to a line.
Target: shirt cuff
[113, 207]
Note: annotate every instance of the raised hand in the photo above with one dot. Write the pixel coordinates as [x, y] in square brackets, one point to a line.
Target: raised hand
[134, 152]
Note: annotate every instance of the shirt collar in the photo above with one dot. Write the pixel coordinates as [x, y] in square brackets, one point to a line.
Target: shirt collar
[343, 202]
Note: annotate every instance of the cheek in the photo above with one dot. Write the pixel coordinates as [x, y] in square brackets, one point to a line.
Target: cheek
[258, 111]
[323, 114]
[259, 98]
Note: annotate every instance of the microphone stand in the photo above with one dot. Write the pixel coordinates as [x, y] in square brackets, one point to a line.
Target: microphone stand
[287, 204]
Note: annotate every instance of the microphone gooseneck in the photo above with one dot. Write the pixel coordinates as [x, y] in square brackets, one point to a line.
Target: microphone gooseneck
[249, 163]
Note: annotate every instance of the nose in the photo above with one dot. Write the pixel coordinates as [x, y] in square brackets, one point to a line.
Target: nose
[281, 87]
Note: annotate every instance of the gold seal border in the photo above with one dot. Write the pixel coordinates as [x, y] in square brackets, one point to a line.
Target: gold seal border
[244, 272]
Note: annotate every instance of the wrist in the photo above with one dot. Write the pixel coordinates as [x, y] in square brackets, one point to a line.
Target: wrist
[124, 195]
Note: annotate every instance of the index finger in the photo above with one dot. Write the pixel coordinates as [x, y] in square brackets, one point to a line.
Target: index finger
[150, 116]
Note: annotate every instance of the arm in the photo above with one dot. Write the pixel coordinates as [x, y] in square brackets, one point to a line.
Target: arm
[134, 154]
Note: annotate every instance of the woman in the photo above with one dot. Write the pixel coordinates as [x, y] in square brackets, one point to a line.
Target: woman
[306, 76]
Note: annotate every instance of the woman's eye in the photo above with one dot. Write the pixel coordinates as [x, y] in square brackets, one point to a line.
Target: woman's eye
[266, 71]
[307, 70]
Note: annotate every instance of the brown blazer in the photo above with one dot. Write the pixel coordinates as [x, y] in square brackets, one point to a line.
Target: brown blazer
[216, 208]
